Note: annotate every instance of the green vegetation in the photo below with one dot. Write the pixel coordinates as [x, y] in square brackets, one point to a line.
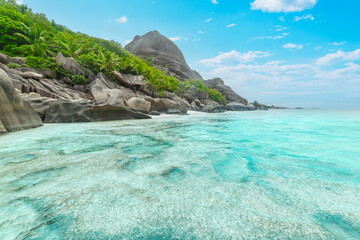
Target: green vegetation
[259, 105]
[13, 65]
[31, 35]
[213, 94]
[217, 97]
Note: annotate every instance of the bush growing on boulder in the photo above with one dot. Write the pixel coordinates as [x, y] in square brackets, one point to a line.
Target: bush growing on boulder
[13, 65]
[213, 94]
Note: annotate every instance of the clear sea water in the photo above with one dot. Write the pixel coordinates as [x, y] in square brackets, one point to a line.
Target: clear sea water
[281, 174]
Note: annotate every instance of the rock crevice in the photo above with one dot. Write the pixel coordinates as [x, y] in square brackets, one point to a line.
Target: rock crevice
[15, 113]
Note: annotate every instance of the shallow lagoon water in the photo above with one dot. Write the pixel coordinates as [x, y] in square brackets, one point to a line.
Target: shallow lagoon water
[281, 174]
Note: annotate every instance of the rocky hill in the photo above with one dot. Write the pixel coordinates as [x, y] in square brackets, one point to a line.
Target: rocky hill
[169, 58]
[64, 77]
[219, 85]
[164, 54]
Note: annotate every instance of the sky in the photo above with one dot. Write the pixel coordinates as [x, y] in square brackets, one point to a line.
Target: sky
[295, 53]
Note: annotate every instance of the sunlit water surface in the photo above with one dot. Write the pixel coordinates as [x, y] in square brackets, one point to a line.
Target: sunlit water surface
[281, 174]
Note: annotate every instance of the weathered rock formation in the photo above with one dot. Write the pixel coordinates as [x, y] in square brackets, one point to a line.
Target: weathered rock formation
[69, 64]
[63, 111]
[130, 81]
[50, 88]
[139, 104]
[5, 59]
[105, 91]
[164, 53]
[164, 104]
[214, 109]
[219, 85]
[15, 113]
[112, 93]
[38, 103]
[240, 107]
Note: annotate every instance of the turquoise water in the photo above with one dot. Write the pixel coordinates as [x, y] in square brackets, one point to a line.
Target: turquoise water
[281, 174]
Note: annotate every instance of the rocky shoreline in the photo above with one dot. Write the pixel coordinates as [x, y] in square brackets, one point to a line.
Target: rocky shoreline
[31, 97]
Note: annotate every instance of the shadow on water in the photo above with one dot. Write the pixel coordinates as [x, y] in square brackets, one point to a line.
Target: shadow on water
[135, 234]
[13, 159]
[46, 223]
[338, 226]
[34, 178]
[173, 174]
[95, 148]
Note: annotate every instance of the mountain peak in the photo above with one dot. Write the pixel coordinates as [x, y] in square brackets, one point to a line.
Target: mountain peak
[164, 53]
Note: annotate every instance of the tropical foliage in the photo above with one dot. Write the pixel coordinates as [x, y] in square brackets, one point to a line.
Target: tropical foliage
[31, 35]
[213, 94]
[260, 105]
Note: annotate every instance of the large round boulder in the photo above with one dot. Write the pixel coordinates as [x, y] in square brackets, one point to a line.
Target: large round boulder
[164, 104]
[214, 109]
[69, 64]
[130, 81]
[139, 104]
[63, 111]
[104, 91]
[237, 107]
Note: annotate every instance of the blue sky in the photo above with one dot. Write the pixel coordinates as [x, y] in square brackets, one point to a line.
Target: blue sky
[283, 52]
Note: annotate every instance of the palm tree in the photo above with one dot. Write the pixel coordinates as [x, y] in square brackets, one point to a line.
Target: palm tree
[150, 81]
[108, 61]
[73, 49]
[183, 88]
[32, 35]
[35, 40]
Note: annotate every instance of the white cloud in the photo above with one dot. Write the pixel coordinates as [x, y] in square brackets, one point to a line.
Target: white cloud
[123, 19]
[235, 57]
[338, 43]
[209, 20]
[200, 32]
[301, 84]
[293, 45]
[214, 1]
[338, 56]
[127, 42]
[274, 62]
[282, 19]
[176, 38]
[280, 28]
[231, 25]
[19, 2]
[309, 16]
[271, 37]
[283, 5]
